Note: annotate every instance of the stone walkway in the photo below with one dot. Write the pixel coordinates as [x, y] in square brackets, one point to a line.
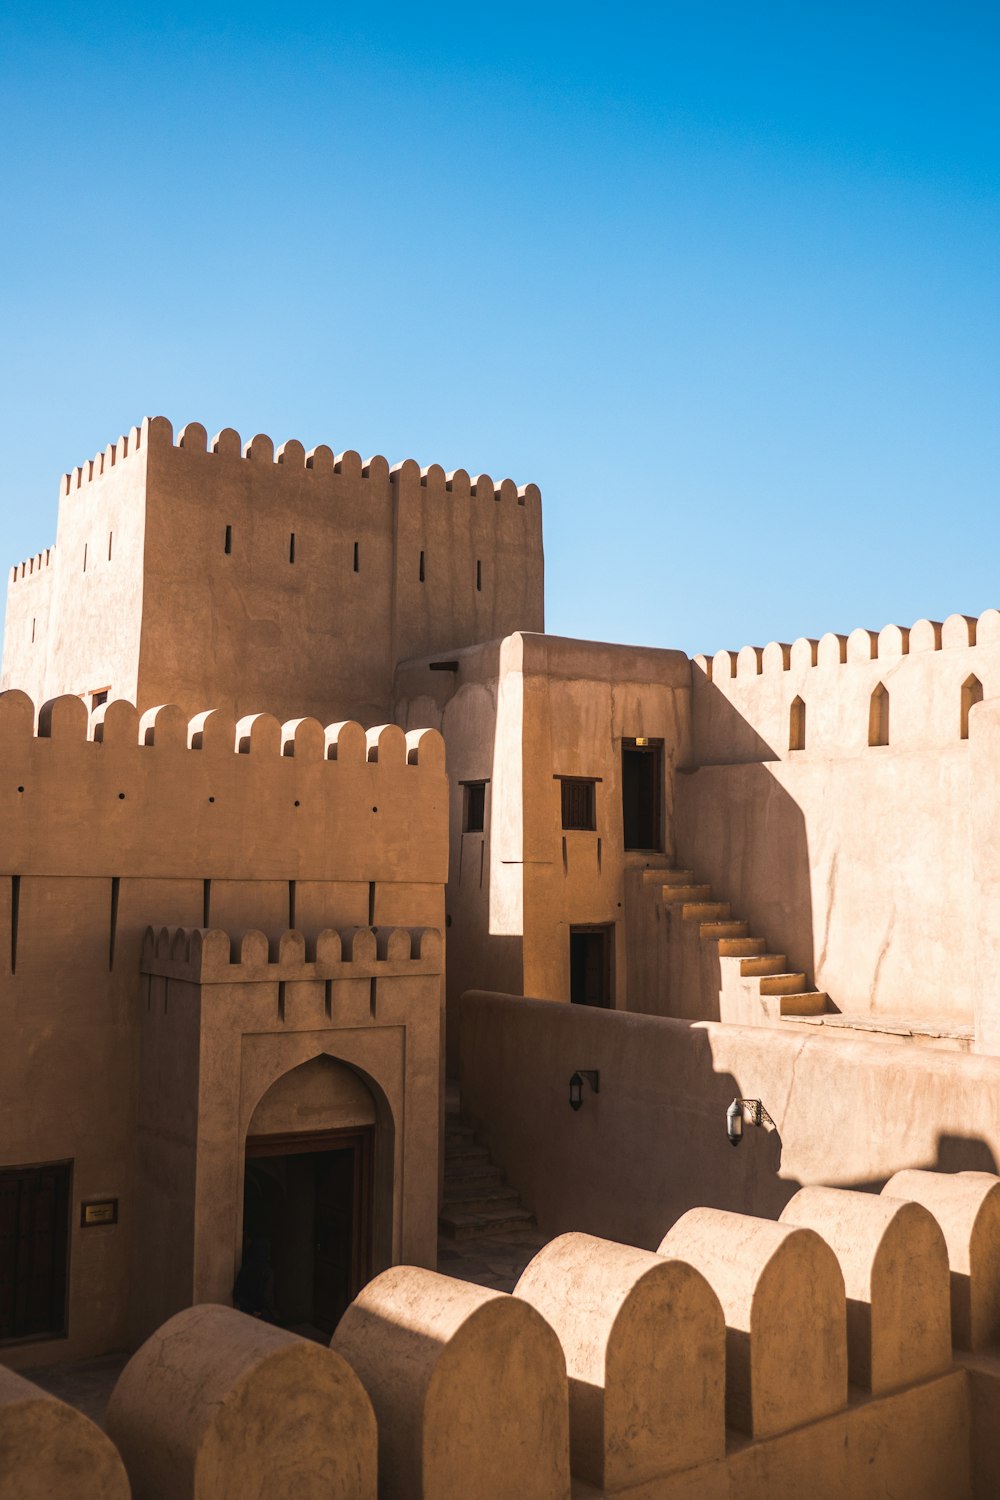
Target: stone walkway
[494, 1262]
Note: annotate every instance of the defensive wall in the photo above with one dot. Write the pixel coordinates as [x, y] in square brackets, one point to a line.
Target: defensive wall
[651, 1144]
[252, 829]
[830, 1353]
[217, 572]
[834, 798]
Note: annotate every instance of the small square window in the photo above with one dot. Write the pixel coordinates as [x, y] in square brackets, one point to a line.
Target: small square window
[101, 696]
[475, 807]
[579, 803]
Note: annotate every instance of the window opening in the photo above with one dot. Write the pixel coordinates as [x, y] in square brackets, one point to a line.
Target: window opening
[356, 567]
[797, 725]
[479, 575]
[291, 547]
[579, 802]
[474, 820]
[878, 716]
[229, 540]
[642, 798]
[422, 573]
[972, 693]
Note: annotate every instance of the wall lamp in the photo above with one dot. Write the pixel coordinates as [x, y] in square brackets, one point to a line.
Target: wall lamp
[749, 1110]
[582, 1075]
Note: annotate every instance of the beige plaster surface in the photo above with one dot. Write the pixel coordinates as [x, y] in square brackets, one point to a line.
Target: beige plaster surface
[774, 1282]
[652, 1144]
[219, 1406]
[895, 1265]
[966, 1205]
[49, 1451]
[468, 1386]
[644, 1340]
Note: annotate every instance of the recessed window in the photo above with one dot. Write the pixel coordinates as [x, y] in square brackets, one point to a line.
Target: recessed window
[878, 716]
[474, 814]
[229, 540]
[423, 571]
[357, 567]
[85, 557]
[972, 693]
[797, 725]
[579, 802]
[101, 696]
[110, 539]
[479, 575]
[291, 547]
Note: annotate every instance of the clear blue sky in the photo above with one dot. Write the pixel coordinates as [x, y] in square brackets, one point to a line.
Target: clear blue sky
[721, 278]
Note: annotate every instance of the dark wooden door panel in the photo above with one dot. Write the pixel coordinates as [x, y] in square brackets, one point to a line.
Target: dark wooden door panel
[34, 1237]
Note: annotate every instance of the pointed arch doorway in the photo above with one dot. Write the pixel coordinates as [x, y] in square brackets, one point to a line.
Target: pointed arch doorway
[308, 1194]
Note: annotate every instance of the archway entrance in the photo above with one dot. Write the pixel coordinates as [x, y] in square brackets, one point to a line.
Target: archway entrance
[307, 1209]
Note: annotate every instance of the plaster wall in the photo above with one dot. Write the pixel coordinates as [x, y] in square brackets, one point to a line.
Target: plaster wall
[26, 623]
[252, 580]
[519, 714]
[652, 1143]
[102, 838]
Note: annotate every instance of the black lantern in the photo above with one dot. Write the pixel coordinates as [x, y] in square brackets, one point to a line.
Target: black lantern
[750, 1110]
[591, 1076]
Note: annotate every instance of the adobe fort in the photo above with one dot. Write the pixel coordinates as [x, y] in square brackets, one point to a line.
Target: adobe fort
[444, 1061]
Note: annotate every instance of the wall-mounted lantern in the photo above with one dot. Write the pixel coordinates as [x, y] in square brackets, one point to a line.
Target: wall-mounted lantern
[582, 1075]
[750, 1111]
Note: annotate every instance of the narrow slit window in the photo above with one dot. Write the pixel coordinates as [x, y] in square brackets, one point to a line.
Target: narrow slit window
[479, 575]
[423, 573]
[33, 632]
[878, 716]
[797, 725]
[229, 540]
[111, 536]
[475, 807]
[972, 693]
[85, 557]
[357, 568]
[291, 546]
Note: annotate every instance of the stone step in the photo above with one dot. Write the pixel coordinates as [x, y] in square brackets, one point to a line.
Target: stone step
[672, 877]
[783, 984]
[742, 947]
[725, 930]
[466, 1151]
[457, 1135]
[458, 1225]
[809, 1003]
[763, 963]
[706, 911]
[671, 894]
[471, 1199]
[481, 1172]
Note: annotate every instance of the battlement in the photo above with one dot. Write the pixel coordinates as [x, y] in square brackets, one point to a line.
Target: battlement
[861, 645]
[33, 565]
[210, 956]
[157, 433]
[718, 1364]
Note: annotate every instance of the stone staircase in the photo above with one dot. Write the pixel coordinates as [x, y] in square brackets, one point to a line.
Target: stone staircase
[477, 1201]
[756, 985]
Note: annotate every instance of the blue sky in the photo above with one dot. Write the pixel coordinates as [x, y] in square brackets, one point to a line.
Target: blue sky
[722, 279]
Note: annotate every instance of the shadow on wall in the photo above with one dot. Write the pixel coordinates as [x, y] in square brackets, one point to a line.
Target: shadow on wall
[753, 840]
[653, 1143]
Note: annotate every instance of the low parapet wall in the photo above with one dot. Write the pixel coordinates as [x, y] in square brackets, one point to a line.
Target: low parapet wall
[717, 1366]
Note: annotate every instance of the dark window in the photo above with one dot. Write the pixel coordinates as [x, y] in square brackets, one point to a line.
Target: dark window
[479, 576]
[291, 546]
[229, 540]
[96, 699]
[642, 780]
[357, 569]
[422, 572]
[590, 966]
[579, 803]
[475, 806]
[34, 1246]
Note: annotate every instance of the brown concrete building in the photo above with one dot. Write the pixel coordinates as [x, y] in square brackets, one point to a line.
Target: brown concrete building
[232, 899]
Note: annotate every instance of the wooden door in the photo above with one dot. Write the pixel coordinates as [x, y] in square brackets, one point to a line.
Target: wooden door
[34, 1240]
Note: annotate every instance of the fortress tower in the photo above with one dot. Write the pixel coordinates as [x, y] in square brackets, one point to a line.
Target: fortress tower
[202, 572]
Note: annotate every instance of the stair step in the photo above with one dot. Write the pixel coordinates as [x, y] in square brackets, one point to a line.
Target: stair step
[481, 1172]
[783, 984]
[706, 911]
[468, 1226]
[810, 1003]
[671, 894]
[725, 930]
[466, 1151]
[456, 1136]
[473, 1200]
[763, 963]
[742, 947]
[673, 877]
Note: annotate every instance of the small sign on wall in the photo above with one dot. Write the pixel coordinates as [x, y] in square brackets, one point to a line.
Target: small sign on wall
[100, 1211]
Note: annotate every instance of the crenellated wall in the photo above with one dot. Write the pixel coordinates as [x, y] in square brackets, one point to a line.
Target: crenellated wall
[120, 821]
[196, 571]
[829, 798]
[742, 1357]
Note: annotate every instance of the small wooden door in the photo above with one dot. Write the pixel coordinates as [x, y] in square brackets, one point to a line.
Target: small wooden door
[34, 1248]
[590, 951]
